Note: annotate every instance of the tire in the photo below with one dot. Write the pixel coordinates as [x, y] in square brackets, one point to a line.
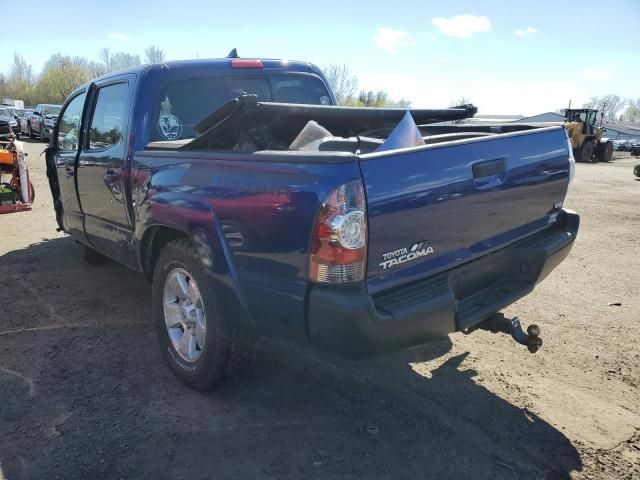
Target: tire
[92, 256]
[33, 192]
[585, 153]
[31, 135]
[605, 152]
[221, 349]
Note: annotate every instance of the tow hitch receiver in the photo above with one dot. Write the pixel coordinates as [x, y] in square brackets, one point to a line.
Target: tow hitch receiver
[499, 324]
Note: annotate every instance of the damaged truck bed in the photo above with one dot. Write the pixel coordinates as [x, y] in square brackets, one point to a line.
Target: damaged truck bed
[258, 207]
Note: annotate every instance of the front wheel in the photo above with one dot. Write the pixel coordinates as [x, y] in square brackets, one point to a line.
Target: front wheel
[200, 343]
[585, 153]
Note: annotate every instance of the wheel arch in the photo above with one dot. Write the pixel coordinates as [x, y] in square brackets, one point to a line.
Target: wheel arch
[199, 224]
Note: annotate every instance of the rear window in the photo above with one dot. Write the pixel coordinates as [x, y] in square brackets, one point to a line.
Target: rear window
[182, 104]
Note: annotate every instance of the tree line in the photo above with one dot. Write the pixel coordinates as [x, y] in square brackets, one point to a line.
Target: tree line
[62, 74]
[344, 84]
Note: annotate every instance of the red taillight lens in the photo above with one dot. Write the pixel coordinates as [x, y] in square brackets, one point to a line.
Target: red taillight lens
[246, 63]
[339, 246]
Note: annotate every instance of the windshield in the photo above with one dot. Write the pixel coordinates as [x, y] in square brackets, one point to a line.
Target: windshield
[182, 104]
[51, 109]
[18, 112]
[4, 112]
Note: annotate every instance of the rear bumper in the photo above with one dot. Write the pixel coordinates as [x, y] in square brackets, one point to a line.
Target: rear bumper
[355, 324]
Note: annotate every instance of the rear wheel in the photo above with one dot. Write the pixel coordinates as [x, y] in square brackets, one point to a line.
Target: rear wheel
[201, 345]
[585, 153]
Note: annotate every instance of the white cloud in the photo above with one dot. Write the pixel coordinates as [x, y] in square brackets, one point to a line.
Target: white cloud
[118, 36]
[392, 40]
[523, 32]
[461, 26]
[597, 74]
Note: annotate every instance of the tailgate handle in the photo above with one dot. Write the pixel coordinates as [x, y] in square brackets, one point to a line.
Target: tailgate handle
[489, 168]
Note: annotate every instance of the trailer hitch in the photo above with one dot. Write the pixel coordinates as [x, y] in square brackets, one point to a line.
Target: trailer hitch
[499, 324]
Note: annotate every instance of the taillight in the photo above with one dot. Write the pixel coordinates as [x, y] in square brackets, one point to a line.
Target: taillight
[339, 246]
[246, 63]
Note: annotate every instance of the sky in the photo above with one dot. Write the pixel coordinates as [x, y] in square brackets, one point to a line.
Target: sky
[506, 57]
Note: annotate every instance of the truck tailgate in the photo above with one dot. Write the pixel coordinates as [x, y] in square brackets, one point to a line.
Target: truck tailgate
[433, 207]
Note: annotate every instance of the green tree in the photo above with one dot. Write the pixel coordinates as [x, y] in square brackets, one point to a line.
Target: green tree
[60, 76]
[380, 99]
[632, 112]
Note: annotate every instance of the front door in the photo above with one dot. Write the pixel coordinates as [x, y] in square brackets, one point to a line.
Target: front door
[101, 171]
[61, 167]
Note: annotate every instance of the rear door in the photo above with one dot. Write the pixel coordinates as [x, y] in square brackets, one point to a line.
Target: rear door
[432, 207]
[102, 167]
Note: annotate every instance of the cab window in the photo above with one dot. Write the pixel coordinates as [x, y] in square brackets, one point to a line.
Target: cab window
[108, 120]
[69, 124]
[183, 103]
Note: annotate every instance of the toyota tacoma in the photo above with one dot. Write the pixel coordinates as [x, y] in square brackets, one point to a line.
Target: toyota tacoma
[258, 207]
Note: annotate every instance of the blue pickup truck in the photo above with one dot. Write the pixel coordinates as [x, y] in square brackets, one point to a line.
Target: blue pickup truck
[256, 206]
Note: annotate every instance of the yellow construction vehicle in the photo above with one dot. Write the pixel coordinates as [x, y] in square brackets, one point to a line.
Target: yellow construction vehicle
[586, 137]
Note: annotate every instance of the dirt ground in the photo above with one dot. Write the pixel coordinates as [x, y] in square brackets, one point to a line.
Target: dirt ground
[85, 393]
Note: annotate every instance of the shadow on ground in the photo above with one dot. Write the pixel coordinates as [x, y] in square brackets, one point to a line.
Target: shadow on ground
[84, 393]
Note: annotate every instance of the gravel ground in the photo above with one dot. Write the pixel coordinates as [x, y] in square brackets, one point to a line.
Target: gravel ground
[85, 393]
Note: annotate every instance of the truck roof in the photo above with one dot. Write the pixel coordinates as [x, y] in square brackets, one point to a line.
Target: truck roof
[215, 64]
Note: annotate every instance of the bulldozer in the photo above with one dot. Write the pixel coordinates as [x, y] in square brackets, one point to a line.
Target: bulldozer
[586, 138]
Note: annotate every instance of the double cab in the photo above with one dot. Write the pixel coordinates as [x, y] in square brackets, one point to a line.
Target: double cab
[258, 207]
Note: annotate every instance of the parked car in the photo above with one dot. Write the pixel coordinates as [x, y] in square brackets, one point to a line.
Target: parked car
[7, 117]
[626, 145]
[635, 149]
[23, 123]
[43, 120]
[617, 144]
[636, 169]
[327, 225]
[18, 115]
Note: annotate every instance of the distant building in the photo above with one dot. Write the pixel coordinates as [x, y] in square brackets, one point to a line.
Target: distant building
[542, 117]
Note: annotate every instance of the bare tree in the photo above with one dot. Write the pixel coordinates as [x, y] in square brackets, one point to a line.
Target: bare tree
[593, 102]
[123, 60]
[105, 57]
[118, 60]
[343, 83]
[154, 54]
[20, 72]
[459, 102]
[611, 105]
